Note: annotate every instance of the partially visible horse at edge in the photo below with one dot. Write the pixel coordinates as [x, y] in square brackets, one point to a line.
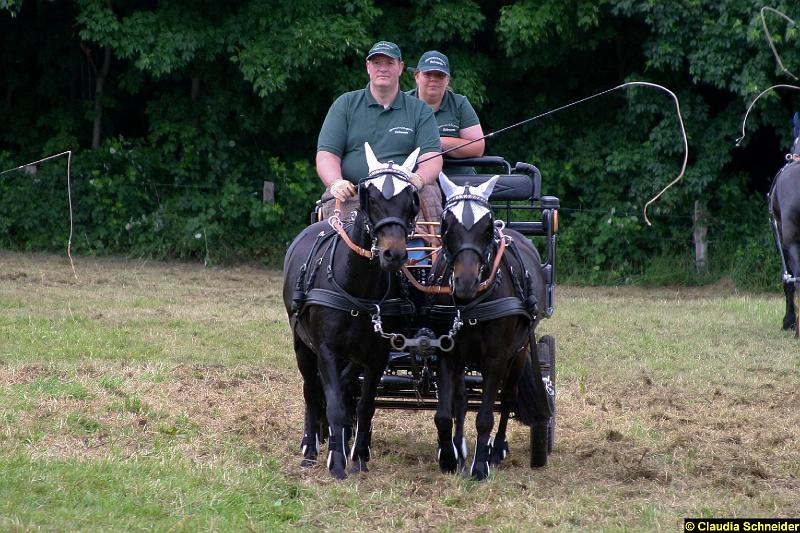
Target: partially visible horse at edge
[498, 333]
[338, 299]
[784, 204]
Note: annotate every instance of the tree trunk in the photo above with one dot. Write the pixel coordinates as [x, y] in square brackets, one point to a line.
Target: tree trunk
[98, 97]
[700, 243]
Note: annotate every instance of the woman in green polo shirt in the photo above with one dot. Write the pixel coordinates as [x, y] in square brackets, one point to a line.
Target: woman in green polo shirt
[458, 123]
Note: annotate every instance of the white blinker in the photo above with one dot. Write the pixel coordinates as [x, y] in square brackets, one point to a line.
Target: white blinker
[396, 185]
[467, 212]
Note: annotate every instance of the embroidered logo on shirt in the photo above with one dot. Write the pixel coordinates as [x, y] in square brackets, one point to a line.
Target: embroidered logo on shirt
[448, 128]
[401, 130]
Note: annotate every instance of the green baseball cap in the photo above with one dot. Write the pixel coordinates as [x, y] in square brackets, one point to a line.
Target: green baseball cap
[433, 60]
[385, 48]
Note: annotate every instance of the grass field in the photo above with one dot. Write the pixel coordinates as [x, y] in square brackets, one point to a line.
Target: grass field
[163, 396]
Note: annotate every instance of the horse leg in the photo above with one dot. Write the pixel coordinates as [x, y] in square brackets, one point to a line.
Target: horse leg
[790, 289]
[460, 412]
[312, 394]
[492, 377]
[790, 317]
[447, 453]
[500, 447]
[365, 411]
[336, 412]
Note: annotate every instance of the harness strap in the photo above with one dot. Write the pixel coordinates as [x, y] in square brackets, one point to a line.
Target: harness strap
[346, 302]
[524, 289]
[483, 312]
[485, 284]
[340, 299]
[303, 284]
[336, 223]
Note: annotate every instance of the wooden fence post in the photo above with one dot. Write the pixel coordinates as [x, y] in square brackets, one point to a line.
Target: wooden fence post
[700, 219]
[268, 193]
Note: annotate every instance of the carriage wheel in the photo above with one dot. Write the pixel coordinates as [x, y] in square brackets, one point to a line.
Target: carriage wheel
[547, 362]
[541, 432]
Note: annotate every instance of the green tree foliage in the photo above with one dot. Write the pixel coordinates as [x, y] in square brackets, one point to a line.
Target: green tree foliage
[204, 100]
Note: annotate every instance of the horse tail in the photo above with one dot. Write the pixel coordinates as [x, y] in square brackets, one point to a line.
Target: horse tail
[532, 405]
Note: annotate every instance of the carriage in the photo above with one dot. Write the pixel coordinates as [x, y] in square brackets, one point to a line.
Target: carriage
[410, 380]
[403, 369]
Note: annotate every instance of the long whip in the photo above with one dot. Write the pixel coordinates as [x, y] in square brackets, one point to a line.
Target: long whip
[571, 104]
[68, 153]
[780, 64]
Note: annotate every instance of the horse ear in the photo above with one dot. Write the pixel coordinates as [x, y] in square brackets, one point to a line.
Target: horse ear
[448, 187]
[411, 160]
[372, 161]
[485, 188]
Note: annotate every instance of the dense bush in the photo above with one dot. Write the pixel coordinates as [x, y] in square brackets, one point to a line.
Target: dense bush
[196, 104]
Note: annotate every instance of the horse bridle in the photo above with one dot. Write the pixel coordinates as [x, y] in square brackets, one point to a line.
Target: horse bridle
[370, 227]
[485, 253]
[363, 197]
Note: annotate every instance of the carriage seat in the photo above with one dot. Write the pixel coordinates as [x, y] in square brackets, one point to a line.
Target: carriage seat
[523, 182]
[520, 184]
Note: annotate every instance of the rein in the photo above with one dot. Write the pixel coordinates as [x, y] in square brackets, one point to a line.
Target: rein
[488, 282]
[793, 157]
[336, 223]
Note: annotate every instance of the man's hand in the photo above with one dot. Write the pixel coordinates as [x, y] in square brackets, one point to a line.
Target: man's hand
[416, 180]
[343, 190]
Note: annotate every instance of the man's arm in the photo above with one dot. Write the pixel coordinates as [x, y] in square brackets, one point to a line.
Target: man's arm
[465, 135]
[329, 170]
[329, 167]
[429, 170]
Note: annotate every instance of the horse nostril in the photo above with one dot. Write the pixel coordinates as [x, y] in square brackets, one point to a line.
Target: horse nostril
[394, 256]
[473, 282]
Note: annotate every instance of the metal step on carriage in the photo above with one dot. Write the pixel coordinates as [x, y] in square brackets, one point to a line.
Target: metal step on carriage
[409, 381]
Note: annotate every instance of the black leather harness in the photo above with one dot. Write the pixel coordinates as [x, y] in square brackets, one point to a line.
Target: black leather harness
[524, 303]
[338, 298]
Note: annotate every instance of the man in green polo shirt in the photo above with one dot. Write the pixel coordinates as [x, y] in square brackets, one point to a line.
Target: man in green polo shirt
[458, 123]
[393, 123]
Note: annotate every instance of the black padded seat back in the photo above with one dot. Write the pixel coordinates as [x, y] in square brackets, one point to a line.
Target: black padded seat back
[522, 182]
[509, 187]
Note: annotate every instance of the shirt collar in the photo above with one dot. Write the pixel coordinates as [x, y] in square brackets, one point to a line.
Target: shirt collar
[397, 103]
[445, 100]
[442, 105]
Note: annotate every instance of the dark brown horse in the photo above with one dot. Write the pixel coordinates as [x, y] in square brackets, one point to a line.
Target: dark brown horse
[785, 208]
[337, 297]
[500, 310]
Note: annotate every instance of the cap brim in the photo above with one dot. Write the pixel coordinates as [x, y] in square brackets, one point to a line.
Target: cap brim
[433, 69]
[370, 56]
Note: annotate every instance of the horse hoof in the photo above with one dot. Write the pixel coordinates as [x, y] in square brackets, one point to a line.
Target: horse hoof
[337, 465]
[448, 461]
[359, 466]
[499, 452]
[480, 471]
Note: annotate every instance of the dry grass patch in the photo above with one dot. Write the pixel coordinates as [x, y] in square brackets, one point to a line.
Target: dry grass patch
[671, 402]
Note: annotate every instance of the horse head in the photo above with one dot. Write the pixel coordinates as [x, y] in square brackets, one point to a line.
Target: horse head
[467, 233]
[390, 203]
